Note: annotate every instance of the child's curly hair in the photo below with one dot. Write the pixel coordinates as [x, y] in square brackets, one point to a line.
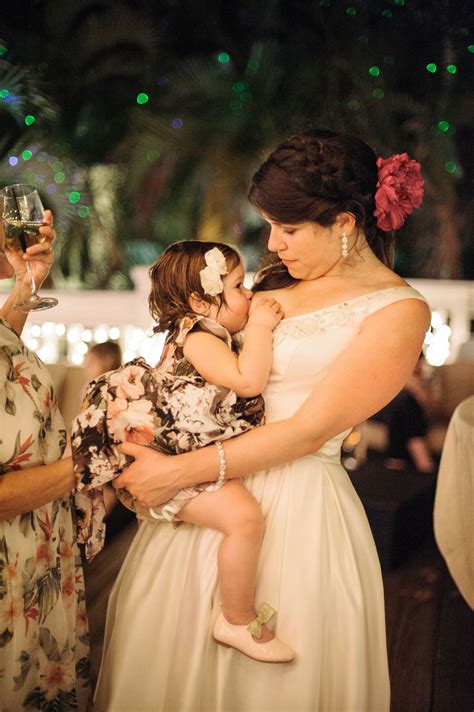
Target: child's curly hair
[175, 276]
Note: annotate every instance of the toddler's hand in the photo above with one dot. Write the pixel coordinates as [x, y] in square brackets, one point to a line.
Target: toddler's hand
[265, 312]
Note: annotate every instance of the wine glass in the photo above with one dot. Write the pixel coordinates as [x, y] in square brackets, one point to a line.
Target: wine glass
[22, 217]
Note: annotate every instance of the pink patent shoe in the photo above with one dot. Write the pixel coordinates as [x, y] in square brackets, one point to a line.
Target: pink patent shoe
[241, 638]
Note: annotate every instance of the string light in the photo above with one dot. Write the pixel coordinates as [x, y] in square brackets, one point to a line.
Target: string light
[451, 68]
[223, 58]
[29, 119]
[374, 71]
[432, 68]
[142, 98]
[437, 341]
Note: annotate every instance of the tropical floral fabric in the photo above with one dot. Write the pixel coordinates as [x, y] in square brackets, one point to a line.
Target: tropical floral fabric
[169, 407]
[44, 643]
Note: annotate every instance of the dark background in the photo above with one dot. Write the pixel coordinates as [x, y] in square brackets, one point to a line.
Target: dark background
[223, 82]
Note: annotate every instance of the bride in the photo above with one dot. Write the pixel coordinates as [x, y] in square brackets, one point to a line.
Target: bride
[350, 338]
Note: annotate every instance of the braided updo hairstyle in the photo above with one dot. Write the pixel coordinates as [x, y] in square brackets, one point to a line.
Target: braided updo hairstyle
[314, 176]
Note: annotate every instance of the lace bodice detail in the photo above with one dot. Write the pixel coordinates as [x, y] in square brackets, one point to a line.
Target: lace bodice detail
[305, 347]
[337, 315]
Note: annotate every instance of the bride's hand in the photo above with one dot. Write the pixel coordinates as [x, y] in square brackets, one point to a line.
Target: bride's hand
[151, 478]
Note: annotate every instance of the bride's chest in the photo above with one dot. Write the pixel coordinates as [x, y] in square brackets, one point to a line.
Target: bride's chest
[304, 347]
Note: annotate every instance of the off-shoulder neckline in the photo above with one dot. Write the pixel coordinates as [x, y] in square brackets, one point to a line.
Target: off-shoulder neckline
[367, 295]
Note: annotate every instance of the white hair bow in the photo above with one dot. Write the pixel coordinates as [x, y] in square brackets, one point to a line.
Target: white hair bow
[210, 276]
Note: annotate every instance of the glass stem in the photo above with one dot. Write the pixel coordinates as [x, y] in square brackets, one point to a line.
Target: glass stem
[32, 279]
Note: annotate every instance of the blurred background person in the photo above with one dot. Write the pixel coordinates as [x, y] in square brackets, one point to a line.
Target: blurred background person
[101, 358]
[407, 417]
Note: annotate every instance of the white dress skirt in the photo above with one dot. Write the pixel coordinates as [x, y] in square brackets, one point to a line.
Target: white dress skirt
[318, 567]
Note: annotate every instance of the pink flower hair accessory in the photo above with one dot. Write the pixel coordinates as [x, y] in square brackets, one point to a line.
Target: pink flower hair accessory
[399, 190]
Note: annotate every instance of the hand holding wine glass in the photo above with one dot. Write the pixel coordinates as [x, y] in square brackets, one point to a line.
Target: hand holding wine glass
[28, 238]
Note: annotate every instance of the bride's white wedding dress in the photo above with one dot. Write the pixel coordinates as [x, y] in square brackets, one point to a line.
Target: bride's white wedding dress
[318, 567]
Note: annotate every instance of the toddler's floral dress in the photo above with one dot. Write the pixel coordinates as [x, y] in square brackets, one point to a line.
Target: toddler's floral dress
[169, 407]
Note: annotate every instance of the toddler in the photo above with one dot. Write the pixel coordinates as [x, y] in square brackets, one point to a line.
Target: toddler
[203, 390]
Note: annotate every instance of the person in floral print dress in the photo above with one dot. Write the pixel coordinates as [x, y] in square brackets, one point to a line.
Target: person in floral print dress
[44, 646]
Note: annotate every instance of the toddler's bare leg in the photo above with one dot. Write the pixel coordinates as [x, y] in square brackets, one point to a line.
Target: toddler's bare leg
[233, 511]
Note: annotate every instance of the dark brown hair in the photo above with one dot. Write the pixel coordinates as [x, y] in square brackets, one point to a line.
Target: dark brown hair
[175, 276]
[110, 354]
[314, 176]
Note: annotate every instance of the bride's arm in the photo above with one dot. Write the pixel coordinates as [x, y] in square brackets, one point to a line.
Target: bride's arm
[366, 376]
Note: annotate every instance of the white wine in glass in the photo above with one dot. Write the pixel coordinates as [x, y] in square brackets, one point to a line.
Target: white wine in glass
[22, 217]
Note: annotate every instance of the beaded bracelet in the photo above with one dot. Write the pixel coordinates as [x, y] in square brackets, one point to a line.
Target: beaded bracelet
[222, 464]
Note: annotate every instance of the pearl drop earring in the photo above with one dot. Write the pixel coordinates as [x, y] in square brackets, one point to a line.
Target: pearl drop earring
[344, 244]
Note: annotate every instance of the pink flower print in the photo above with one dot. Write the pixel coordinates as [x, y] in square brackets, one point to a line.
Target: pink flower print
[44, 556]
[68, 589]
[127, 382]
[65, 550]
[134, 424]
[12, 571]
[12, 611]
[90, 417]
[58, 676]
[81, 620]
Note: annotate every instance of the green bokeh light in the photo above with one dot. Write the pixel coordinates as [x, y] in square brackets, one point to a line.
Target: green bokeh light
[4, 93]
[57, 166]
[387, 13]
[354, 105]
[351, 11]
[253, 65]
[443, 126]
[59, 177]
[142, 98]
[431, 67]
[374, 71]
[152, 155]
[26, 154]
[223, 58]
[400, 2]
[29, 119]
[451, 68]
[378, 93]
[450, 166]
[470, 48]
[83, 211]
[239, 86]
[3, 50]
[74, 196]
